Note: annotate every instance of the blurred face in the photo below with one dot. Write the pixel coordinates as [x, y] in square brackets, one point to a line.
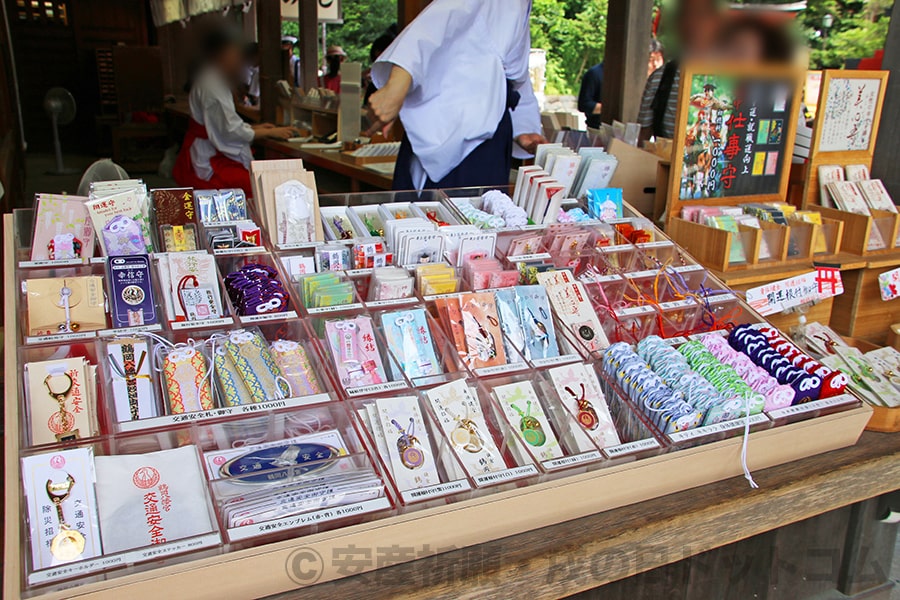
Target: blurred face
[656, 61]
[698, 25]
[230, 61]
[744, 46]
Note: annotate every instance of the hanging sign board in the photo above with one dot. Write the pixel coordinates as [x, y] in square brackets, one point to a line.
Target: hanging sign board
[328, 11]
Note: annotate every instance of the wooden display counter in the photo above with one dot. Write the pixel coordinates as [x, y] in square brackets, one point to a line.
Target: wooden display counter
[860, 312]
[582, 554]
[332, 161]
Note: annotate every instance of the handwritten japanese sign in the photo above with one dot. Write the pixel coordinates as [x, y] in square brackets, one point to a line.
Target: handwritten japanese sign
[849, 113]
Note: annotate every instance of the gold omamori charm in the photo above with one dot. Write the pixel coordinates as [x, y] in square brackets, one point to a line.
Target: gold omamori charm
[68, 543]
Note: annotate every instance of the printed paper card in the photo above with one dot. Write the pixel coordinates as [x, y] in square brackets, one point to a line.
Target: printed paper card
[174, 206]
[294, 213]
[579, 389]
[131, 291]
[148, 499]
[62, 228]
[523, 411]
[481, 323]
[355, 352]
[573, 306]
[537, 322]
[65, 305]
[409, 447]
[193, 282]
[61, 507]
[462, 420]
[409, 339]
[889, 284]
[876, 195]
[121, 222]
[60, 400]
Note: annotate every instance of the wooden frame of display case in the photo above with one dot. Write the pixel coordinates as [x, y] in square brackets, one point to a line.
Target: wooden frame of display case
[263, 570]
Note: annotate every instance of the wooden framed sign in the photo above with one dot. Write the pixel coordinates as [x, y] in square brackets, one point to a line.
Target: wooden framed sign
[734, 134]
[849, 111]
[847, 120]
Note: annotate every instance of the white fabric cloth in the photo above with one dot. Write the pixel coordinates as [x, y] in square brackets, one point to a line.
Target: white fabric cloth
[460, 54]
[252, 81]
[212, 105]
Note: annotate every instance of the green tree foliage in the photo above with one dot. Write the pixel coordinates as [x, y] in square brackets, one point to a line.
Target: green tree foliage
[837, 30]
[364, 20]
[573, 32]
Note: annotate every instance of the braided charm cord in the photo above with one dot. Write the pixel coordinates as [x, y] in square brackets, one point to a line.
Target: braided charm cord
[130, 380]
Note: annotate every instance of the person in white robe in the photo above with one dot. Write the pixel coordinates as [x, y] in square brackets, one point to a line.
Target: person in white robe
[457, 77]
[216, 151]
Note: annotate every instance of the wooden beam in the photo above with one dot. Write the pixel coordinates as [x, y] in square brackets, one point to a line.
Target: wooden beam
[268, 31]
[887, 148]
[625, 60]
[407, 10]
[309, 47]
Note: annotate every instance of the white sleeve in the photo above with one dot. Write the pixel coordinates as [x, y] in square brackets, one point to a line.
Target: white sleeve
[224, 126]
[526, 117]
[441, 22]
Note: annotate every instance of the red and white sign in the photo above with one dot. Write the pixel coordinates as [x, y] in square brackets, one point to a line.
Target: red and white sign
[778, 296]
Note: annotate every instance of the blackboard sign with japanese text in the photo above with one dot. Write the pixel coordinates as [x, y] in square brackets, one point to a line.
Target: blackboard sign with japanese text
[734, 134]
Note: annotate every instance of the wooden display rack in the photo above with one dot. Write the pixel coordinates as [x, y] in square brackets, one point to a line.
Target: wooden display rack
[826, 150]
[858, 229]
[265, 569]
[821, 154]
[711, 246]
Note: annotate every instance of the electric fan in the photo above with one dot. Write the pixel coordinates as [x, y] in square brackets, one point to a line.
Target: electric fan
[59, 105]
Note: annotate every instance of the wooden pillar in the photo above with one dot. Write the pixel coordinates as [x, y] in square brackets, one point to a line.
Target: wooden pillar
[407, 10]
[309, 47]
[887, 146]
[268, 31]
[625, 60]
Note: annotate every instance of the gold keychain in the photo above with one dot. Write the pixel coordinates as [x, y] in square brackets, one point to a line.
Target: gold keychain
[466, 434]
[64, 425]
[68, 543]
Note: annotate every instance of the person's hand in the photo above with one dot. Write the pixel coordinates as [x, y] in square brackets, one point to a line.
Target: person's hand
[265, 126]
[281, 133]
[385, 104]
[530, 141]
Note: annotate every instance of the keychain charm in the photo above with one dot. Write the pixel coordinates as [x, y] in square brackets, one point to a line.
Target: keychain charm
[62, 423]
[68, 543]
[539, 330]
[64, 246]
[532, 432]
[411, 454]
[587, 416]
